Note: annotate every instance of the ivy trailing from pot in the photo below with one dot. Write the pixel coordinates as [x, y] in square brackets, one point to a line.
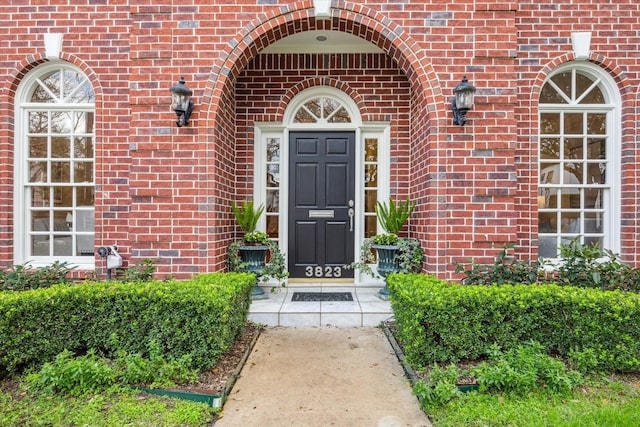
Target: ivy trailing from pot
[395, 254]
[254, 250]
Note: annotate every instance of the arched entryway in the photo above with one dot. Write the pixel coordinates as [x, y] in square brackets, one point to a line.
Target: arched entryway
[254, 86]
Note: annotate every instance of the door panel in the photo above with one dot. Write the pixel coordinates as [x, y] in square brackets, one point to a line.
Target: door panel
[322, 184]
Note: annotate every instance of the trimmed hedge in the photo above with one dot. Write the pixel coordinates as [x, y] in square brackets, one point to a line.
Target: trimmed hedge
[440, 322]
[200, 317]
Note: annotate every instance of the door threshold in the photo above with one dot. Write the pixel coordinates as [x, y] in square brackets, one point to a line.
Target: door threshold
[294, 281]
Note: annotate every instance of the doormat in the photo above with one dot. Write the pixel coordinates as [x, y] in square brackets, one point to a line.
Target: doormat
[322, 296]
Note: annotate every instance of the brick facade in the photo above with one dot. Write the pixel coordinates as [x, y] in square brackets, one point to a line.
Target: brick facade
[163, 191]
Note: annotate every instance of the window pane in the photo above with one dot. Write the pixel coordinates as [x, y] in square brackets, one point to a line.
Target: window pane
[38, 122]
[573, 148]
[83, 122]
[273, 176]
[371, 150]
[596, 173]
[40, 197]
[370, 226]
[60, 122]
[341, 116]
[563, 81]
[573, 173]
[547, 247]
[550, 148]
[83, 148]
[83, 172]
[63, 196]
[273, 201]
[371, 175]
[272, 226]
[596, 148]
[370, 200]
[85, 196]
[303, 116]
[593, 222]
[596, 123]
[550, 123]
[573, 123]
[593, 240]
[549, 95]
[273, 150]
[60, 147]
[314, 107]
[38, 146]
[38, 172]
[593, 198]
[547, 222]
[584, 83]
[60, 172]
[329, 106]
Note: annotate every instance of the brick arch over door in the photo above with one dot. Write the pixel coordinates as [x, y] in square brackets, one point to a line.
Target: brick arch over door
[428, 112]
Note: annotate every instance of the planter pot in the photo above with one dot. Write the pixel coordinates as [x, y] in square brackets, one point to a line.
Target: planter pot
[256, 259]
[387, 264]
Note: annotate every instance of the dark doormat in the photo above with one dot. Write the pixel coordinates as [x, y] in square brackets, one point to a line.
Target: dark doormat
[322, 296]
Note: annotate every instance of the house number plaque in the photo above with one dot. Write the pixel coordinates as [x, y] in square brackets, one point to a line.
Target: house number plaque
[323, 271]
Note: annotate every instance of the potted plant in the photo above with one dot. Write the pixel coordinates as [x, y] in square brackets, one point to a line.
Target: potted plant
[250, 253]
[395, 254]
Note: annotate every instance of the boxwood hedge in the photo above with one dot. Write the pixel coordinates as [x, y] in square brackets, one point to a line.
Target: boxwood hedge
[446, 322]
[200, 317]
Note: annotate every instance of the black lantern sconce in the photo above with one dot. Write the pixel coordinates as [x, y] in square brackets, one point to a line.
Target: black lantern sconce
[181, 102]
[463, 101]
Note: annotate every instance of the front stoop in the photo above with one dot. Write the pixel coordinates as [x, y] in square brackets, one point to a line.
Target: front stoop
[366, 309]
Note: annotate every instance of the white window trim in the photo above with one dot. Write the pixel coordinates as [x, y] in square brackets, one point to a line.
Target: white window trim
[22, 106]
[611, 238]
[266, 130]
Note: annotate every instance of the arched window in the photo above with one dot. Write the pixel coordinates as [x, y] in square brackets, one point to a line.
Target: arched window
[579, 154]
[55, 187]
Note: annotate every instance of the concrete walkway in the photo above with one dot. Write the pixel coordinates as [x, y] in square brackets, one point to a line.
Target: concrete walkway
[322, 377]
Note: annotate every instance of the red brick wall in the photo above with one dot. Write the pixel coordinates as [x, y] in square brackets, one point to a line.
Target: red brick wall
[164, 192]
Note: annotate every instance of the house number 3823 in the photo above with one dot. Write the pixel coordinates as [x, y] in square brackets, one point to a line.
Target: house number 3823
[320, 271]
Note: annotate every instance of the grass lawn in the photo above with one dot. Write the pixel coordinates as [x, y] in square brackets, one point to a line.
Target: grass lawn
[604, 403]
[116, 407]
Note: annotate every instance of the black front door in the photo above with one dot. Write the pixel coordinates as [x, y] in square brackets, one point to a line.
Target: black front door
[321, 204]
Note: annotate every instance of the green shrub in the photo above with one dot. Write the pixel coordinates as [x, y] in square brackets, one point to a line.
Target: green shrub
[438, 388]
[89, 373]
[439, 322]
[524, 368]
[200, 317]
[580, 265]
[506, 269]
[24, 277]
[73, 375]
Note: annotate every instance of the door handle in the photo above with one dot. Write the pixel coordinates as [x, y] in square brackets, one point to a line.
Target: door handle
[351, 214]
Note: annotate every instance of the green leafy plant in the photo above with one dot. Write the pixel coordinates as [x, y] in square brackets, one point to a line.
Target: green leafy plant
[141, 271]
[409, 256]
[155, 371]
[438, 388]
[589, 266]
[275, 268]
[524, 368]
[73, 375]
[24, 277]
[256, 237]
[247, 215]
[392, 217]
[506, 269]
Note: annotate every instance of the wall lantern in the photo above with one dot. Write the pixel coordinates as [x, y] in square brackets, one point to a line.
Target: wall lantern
[181, 102]
[463, 101]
